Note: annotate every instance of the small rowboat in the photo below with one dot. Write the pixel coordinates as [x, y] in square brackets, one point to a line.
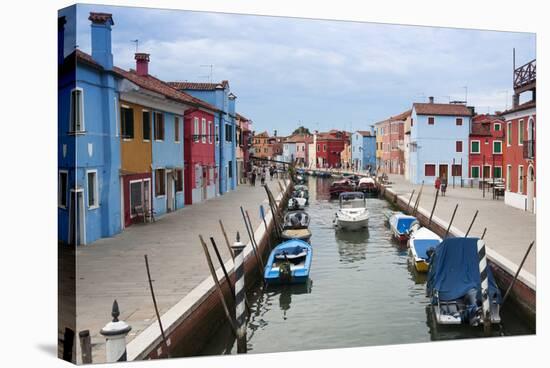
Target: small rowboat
[400, 225]
[288, 263]
[301, 234]
[367, 185]
[422, 243]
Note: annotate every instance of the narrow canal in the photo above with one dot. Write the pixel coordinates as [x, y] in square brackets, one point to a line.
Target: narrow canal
[361, 293]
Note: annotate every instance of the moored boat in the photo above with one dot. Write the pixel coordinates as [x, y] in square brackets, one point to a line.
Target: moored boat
[353, 213]
[367, 185]
[400, 225]
[340, 186]
[288, 263]
[455, 288]
[422, 243]
[295, 226]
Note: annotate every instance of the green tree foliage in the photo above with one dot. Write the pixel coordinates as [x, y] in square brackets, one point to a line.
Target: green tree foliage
[301, 130]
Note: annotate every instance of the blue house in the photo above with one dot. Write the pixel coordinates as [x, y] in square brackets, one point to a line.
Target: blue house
[219, 95]
[88, 145]
[439, 142]
[363, 150]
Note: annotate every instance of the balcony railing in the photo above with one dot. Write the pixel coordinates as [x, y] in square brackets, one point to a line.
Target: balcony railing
[529, 149]
[525, 74]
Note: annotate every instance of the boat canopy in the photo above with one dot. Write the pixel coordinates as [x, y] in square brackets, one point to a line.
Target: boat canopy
[454, 270]
[404, 223]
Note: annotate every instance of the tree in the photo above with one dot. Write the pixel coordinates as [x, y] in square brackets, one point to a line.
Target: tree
[301, 130]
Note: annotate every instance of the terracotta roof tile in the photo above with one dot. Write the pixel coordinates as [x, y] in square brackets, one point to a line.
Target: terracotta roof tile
[442, 109]
[365, 133]
[198, 86]
[523, 106]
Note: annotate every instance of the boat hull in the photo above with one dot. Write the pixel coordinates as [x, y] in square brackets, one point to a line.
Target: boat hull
[351, 224]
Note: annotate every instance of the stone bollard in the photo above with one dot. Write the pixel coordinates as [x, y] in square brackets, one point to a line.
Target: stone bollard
[115, 335]
[240, 294]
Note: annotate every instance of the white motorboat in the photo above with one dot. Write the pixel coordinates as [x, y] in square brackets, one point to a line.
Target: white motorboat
[353, 213]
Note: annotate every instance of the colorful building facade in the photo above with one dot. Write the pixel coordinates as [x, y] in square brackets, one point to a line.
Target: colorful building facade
[363, 150]
[88, 194]
[520, 145]
[439, 135]
[485, 148]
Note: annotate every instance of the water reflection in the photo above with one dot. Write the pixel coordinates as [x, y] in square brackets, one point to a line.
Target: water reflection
[352, 245]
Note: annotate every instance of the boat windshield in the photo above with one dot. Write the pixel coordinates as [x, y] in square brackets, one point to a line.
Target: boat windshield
[352, 200]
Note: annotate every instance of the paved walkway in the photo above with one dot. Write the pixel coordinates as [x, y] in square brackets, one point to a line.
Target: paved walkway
[509, 230]
[114, 268]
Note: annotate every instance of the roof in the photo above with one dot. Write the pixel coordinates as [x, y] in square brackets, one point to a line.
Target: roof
[365, 133]
[330, 137]
[399, 117]
[240, 117]
[148, 82]
[298, 138]
[156, 85]
[442, 109]
[523, 106]
[199, 86]
[262, 134]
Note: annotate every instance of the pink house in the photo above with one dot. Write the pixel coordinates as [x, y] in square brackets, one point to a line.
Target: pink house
[302, 142]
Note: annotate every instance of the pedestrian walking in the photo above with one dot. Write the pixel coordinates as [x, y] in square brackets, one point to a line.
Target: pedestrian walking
[253, 180]
[262, 176]
[437, 183]
[443, 186]
[271, 171]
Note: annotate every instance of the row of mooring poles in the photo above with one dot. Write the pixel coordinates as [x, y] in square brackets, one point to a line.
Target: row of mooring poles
[116, 331]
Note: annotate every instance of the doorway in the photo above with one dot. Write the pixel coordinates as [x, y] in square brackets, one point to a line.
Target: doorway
[531, 189]
[77, 230]
[170, 187]
[443, 170]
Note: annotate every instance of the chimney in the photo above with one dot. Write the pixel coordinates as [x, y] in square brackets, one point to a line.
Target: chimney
[101, 39]
[431, 99]
[61, 39]
[142, 63]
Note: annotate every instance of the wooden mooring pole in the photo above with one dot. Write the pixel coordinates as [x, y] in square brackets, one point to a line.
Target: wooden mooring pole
[262, 213]
[451, 222]
[517, 273]
[85, 346]
[254, 239]
[484, 281]
[483, 235]
[417, 202]
[155, 305]
[258, 260]
[240, 296]
[409, 203]
[433, 208]
[471, 224]
[218, 286]
[226, 239]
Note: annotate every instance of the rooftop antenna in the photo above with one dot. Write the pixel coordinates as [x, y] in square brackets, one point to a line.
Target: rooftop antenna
[466, 98]
[211, 71]
[136, 42]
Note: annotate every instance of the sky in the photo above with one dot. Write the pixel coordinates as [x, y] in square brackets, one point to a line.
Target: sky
[321, 74]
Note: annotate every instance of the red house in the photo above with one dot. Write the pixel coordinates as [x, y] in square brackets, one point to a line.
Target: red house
[199, 156]
[519, 149]
[329, 148]
[486, 152]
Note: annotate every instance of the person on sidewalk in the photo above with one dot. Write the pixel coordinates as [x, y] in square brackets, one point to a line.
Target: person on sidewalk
[437, 183]
[262, 176]
[443, 185]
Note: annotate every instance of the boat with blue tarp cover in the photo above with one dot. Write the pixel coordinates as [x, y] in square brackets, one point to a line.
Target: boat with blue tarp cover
[400, 225]
[454, 284]
[422, 243]
[288, 263]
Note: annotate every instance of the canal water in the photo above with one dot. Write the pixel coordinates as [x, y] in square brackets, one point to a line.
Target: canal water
[362, 292]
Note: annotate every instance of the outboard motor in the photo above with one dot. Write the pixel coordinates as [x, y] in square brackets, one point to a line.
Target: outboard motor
[285, 273]
[473, 311]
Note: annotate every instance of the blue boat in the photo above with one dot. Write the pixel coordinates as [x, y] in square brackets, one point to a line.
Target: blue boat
[288, 263]
[400, 225]
[454, 284]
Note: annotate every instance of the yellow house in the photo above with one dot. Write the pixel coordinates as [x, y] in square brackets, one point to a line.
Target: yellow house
[378, 127]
